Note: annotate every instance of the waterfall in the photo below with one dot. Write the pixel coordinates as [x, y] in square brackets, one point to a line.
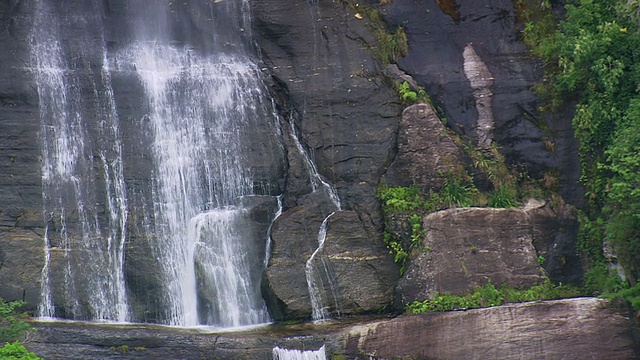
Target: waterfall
[195, 114]
[221, 257]
[316, 179]
[287, 354]
[198, 162]
[71, 203]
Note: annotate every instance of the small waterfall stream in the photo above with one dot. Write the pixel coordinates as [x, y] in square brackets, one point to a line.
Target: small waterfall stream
[317, 295]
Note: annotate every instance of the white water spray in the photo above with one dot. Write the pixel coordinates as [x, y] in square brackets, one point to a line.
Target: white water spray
[293, 354]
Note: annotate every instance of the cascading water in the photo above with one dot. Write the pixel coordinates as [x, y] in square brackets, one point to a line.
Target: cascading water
[317, 295]
[89, 249]
[288, 354]
[197, 108]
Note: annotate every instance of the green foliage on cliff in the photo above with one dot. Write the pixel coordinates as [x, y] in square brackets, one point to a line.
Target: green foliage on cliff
[631, 294]
[13, 328]
[12, 324]
[398, 199]
[389, 45]
[16, 351]
[489, 295]
[592, 60]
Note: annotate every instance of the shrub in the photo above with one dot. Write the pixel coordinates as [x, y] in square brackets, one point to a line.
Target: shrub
[400, 198]
[12, 324]
[16, 351]
[489, 295]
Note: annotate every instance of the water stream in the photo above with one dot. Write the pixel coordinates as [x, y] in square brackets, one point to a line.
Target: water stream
[315, 285]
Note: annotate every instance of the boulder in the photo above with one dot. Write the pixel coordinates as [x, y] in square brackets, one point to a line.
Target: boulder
[364, 272]
[426, 152]
[468, 247]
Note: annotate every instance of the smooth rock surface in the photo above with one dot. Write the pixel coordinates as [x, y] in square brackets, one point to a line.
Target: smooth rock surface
[468, 247]
[582, 328]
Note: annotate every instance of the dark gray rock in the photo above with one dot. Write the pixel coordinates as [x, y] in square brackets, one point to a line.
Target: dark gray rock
[333, 89]
[355, 270]
[555, 230]
[435, 60]
[345, 116]
[294, 238]
[363, 272]
[21, 262]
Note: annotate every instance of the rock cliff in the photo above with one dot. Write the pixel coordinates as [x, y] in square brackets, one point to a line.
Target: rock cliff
[340, 125]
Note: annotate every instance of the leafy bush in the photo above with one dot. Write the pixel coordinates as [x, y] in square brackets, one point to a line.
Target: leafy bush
[398, 199]
[407, 95]
[631, 294]
[12, 324]
[489, 295]
[16, 351]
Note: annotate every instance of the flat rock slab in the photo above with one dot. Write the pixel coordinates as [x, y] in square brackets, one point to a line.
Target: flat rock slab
[581, 328]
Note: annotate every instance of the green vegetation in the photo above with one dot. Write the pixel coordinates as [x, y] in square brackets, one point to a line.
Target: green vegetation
[592, 60]
[12, 329]
[409, 96]
[400, 199]
[122, 349]
[489, 295]
[16, 351]
[389, 45]
[631, 294]
[12, 324]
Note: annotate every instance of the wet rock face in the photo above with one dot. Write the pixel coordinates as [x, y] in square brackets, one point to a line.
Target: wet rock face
[333, 89]
[355, 271]
[333, 97]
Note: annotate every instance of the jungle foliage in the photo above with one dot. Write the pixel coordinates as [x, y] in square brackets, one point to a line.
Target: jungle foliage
[592, 63]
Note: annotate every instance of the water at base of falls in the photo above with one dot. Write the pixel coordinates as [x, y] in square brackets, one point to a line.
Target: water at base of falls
[221, 257]
[287, 354]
